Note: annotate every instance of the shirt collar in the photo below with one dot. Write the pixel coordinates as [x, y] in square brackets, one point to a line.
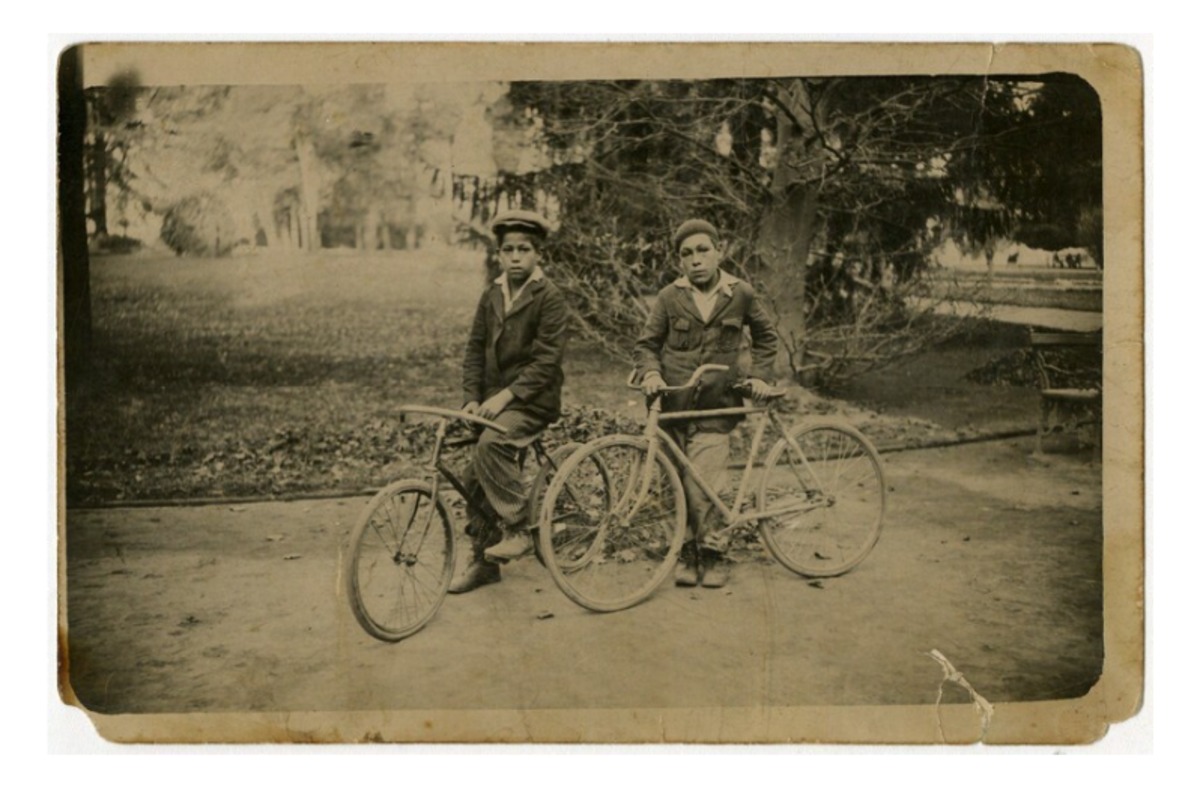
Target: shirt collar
[725, 283]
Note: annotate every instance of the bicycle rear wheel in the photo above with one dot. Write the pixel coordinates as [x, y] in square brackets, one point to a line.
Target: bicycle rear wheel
[611, 525]
[829, 496]
[400, 561]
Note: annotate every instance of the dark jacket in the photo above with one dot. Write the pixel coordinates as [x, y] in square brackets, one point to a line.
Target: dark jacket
[676, 340]
[522, 351]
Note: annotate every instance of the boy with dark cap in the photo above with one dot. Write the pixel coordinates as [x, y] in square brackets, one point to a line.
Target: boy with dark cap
[512, 374]
[699, 319]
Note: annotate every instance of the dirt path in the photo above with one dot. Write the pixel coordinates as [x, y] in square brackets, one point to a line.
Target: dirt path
[987, 555]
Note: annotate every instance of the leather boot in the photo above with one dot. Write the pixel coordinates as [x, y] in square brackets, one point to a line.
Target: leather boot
[716, 570]
[687, 571]
[478, 573]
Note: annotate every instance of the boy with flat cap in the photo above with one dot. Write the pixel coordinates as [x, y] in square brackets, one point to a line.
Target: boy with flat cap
[700, 319]
[512, 374]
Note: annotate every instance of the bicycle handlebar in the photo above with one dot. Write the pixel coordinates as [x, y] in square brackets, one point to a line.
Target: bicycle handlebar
[451, 414]
[692, 381]
[772, 393]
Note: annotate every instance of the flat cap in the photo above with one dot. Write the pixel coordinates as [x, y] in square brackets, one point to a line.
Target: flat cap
[692, 227]
[520, 220]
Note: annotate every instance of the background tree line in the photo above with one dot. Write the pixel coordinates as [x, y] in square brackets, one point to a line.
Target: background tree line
[835, 192]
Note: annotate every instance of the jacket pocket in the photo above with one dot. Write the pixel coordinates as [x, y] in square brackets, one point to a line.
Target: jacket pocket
[730, 337]
[680, 337]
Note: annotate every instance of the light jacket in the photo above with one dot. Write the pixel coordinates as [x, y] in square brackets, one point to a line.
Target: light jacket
[676, 339]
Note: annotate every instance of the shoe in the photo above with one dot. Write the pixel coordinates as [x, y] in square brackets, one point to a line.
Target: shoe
[477, 573]
[686, 573]
[716, 571]
[687, 569]
[511, 547]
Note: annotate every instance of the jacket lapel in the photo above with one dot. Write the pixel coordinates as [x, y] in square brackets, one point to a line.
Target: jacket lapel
[723, 301]
[524, 299]
[687, 304]
[496, 299]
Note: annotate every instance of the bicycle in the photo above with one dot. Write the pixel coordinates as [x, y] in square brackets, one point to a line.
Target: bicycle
[401, 551]
[819, 506]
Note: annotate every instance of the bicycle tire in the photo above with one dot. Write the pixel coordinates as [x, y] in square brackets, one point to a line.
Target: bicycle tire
[604, 549]
[841, 478]
[538, 490]
[396, 583]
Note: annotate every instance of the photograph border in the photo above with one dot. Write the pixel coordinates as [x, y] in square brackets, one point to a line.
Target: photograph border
[1114, 71]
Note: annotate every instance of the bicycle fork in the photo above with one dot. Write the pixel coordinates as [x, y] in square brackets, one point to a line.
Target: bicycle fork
[638, 489]
[408, 557]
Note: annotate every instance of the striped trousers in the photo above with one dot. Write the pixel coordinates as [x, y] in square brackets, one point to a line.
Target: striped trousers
[494, 480]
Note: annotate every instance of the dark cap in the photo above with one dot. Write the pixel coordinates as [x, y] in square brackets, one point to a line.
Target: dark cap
[692, 227]
[519, 220]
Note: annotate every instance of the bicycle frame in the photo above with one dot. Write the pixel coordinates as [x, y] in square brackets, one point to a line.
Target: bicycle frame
[656, 436]
[401, 553]
[438, 469]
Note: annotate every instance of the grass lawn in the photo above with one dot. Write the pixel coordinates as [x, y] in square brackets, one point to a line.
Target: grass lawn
[281, 373]
[933, 386]
[273, 373]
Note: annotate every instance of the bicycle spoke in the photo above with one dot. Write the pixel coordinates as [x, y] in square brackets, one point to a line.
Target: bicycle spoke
[408, 525]
[375, 528]
[838, 531]
[401, 562]
[618, 556]
[843, 456]
[435, 577]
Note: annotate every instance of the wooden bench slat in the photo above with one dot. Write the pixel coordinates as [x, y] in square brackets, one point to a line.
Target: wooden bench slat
[1078, 395]
[1057, 397]
[1063, 339]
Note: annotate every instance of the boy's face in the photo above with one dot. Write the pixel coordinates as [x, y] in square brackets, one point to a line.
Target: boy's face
[700, 259]
[518, 256]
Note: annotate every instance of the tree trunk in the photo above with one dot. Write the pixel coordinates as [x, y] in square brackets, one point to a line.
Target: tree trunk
[785, 237]
[97, 184]
[370, 226]
[72, 224]
[787, 230]
[310, 194]
[291, 230]
[266, 219]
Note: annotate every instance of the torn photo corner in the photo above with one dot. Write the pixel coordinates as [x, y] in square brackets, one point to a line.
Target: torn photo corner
[288, 327]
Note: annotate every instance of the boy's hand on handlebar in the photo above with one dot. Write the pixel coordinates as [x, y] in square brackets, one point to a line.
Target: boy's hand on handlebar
[759, 389]
[492, 407]
[653, 384]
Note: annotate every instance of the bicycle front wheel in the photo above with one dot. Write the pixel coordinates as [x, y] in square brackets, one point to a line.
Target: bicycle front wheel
[826, 500]
[612, 523]
[596, 474]
[400, 561]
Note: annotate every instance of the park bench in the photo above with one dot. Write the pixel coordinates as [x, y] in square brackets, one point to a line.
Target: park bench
[1068, 366]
